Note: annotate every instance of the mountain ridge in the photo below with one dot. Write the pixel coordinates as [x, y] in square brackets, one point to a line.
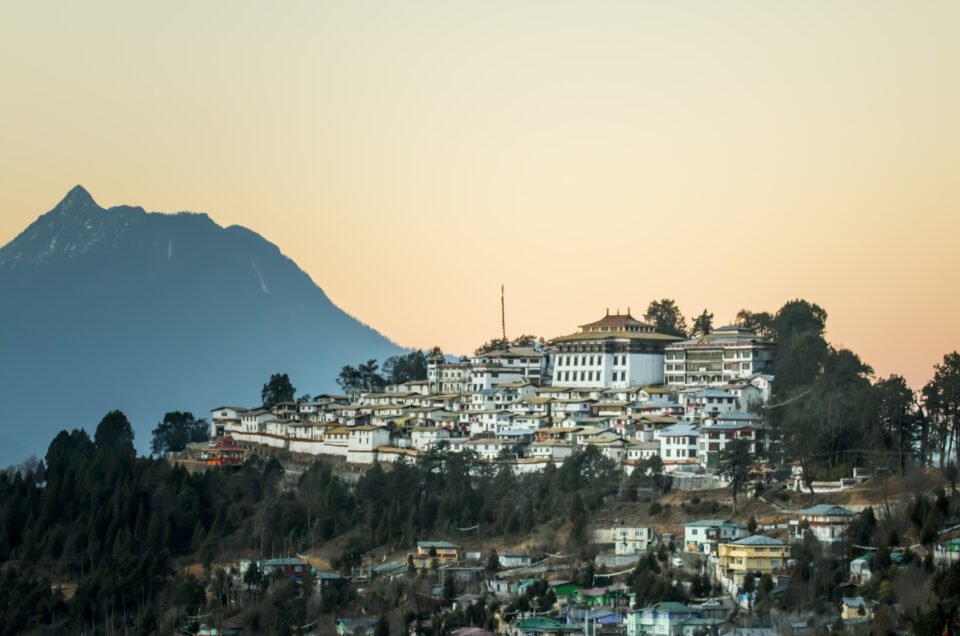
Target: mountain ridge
[152, 312]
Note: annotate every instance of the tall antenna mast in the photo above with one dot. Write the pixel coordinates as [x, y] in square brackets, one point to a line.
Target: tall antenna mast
[503, 320]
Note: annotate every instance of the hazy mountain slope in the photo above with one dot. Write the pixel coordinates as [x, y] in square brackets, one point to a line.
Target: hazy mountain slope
[118, 308]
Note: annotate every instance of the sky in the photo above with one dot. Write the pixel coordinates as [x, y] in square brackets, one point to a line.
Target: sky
[414, 156]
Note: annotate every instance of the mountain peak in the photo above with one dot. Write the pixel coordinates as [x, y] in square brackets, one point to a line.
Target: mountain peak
[77, 198]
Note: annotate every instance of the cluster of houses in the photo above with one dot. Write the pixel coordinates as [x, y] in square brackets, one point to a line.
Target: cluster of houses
[725, 549]
[616, 384]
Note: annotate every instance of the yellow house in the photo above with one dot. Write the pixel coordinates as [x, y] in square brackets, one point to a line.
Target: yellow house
[431, 554]
[757, 555]
[855, 609]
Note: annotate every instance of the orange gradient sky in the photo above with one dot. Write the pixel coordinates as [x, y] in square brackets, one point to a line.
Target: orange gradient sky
[413, 156]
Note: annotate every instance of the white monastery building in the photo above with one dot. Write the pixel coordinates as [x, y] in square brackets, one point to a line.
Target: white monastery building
[614, 352]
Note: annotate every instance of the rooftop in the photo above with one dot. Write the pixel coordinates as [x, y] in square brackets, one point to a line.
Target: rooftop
[827, 509]
[758, 539]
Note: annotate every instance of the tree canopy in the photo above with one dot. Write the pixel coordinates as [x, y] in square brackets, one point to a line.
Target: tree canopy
[278, 389]
[736, 463]
[703, 325]
[760, 323]
[176, 431]
[114, 433]
[667, 317]
[497, 344]
[941, 398]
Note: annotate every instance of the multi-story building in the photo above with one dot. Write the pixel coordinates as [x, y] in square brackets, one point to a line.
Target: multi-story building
[678, 444]
[530, 362]
[225, 420]
[448, 377]
[614, 352]
[708, 403]
[431, 554]
[632, 539]
[756, 555]
[722, 356]
[715, 436]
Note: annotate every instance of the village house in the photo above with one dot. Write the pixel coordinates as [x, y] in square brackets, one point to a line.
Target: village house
[287, 566]
[639, 452]
[447, 377]
[356, 626]
[530, 362]
[552, 449]
[564, 590]
[826, 522]
[424, 438]
[609, 443]
[433, 554]
[704, 535]
[514, 559]
[632, 539]
[678, 444]
[488, 375]
[665, 618]
[860, 571]
[487, 421]
[542, 626]
[755, 555]
[855, 609]
[715, 436]
[491, 448]
[225, 420]
[706, 403]
[661, 405]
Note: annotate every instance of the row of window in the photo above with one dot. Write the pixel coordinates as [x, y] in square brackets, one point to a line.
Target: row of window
[682, 452]
[588, 361]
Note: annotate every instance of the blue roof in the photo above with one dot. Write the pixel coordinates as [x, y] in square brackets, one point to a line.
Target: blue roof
[758, 539]
[739, 415]
[827, 509]
[519, 432]
[281, 562]
[678, 429]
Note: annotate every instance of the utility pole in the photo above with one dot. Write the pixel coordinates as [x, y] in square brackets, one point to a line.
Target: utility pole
[503, 320]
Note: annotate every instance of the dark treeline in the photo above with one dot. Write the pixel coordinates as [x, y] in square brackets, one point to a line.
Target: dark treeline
[120, 526]
[831, 414]
[368, 376]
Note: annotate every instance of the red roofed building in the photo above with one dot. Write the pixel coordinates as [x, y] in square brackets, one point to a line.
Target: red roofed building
[224, 453]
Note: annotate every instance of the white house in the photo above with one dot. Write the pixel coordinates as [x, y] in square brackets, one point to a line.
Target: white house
[715, 437]
[704, 535]
[827, 522]
[363, 441]
[424, 438]
[225, 420]
[530, 362]
[709, 403]
[678, 444]
[632, 539]
[551, 449]
[491, 448]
